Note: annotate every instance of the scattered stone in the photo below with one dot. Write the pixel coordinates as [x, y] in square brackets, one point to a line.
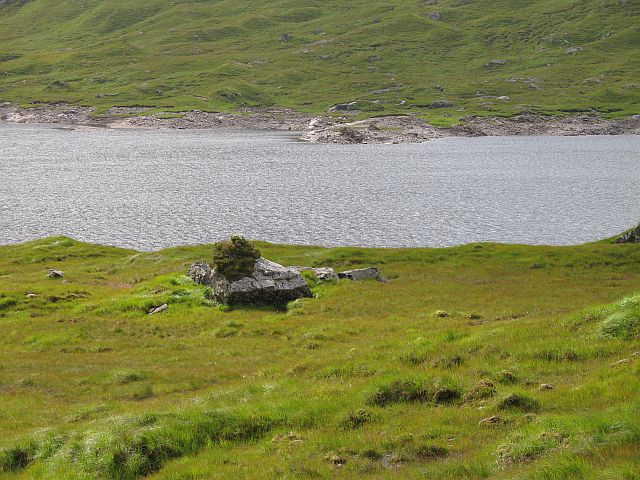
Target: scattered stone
[631, 236]
[377, 20]
[336, 460]
[624, 361]
[495, 63]
[286, 37]
[494, 420]
[344, 107]
[290, 437]
[270, 283]
[374, 58]
[352, 135]
[55, 273]
[572, 50]
[201, 273]
[161, 308]
[441, 104]
[546, 386]
[504, 98]
[441, 314]
[435, 16]
[370, 273]
[31, 295]
[322, 273]
[391, 461]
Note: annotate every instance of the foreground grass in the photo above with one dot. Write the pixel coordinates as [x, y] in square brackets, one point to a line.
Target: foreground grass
[562, 56]
[367, 380]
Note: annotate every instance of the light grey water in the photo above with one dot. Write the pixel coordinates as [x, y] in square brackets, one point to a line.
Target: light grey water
[154, 189]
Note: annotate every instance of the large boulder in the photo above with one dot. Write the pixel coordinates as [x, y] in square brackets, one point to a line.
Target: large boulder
[270, 283]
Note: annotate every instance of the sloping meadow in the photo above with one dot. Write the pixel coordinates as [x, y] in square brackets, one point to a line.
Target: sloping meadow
[480, 361]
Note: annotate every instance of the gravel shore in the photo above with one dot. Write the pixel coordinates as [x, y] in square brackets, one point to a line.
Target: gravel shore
[388, 129]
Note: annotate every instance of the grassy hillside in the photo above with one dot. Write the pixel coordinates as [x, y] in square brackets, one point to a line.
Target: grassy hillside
[366, 380]
[391, 57]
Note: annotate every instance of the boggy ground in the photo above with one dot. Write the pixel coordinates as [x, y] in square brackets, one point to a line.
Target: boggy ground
[348, 128]
[366, 380]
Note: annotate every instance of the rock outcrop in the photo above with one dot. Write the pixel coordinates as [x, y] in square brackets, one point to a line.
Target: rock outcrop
[270, 283]
[630, 236]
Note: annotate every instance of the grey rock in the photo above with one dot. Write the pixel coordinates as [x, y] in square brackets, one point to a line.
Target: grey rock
[322, 273]
[631, 236]
[55, 273]
[286, 37]
[441, 104]
[572, 50]
[435, 16]
[504, 98]
[201, 273]
[159, 309]
[495, 63]
[344, 107]
[370, 273]
[374, 58]
[270, 283]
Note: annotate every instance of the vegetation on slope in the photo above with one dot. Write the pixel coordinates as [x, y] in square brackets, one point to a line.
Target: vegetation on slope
[392, 57]
[437, 374]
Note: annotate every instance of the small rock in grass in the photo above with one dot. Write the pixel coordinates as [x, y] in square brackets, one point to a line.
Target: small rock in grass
[337, 460]
[441, 314]
[441, 104]
[371, 273]
[55, 273]
[546, 386]
[287, 437]
[31, 295]
[159, 309]
[494, 420]
[624, 361]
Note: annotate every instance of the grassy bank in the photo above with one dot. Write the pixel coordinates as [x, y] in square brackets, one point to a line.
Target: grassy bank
[554, 56]
[367, 380]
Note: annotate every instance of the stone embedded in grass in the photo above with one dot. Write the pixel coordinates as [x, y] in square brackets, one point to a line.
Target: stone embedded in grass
[55, 274]
[624, 361]
[162, 308]
[493, 420]
[545, 387]
[290, 437]
[441, 104]
[440, 314]
[370, 273]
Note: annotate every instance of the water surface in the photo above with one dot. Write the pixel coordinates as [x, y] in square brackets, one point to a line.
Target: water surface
[154, 189]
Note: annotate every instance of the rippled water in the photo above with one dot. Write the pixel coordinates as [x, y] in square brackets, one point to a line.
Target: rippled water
[153, 189]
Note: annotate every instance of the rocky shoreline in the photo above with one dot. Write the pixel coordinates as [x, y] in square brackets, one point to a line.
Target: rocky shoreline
[325, 129]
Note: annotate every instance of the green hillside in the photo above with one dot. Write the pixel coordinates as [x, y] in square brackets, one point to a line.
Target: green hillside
[436, 374]
[391, 57]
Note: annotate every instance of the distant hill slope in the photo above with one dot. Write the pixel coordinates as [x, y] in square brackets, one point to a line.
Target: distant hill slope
[392, 57]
